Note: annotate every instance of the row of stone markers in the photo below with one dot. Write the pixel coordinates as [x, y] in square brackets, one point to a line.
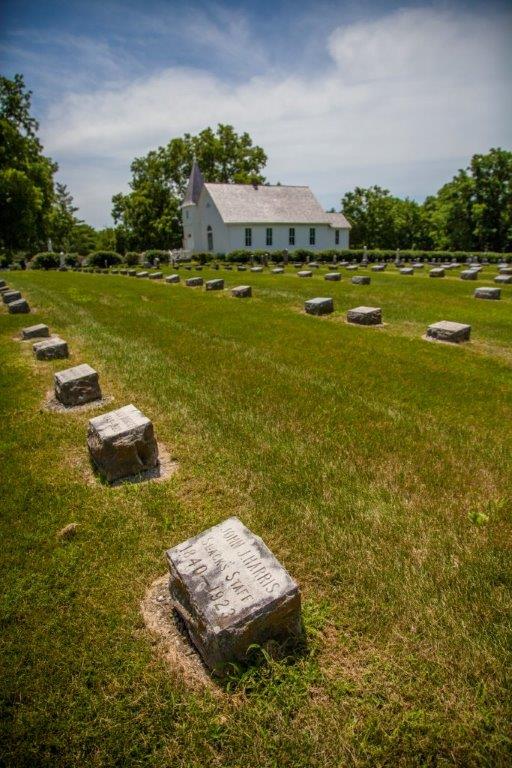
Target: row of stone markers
[15, 302]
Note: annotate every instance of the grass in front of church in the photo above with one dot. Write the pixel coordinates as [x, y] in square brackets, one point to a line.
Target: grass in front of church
[374, 464]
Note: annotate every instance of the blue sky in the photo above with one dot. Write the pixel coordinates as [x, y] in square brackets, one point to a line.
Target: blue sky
[337, 93]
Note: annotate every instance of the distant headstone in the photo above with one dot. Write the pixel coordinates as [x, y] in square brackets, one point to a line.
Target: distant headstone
[232, 593]
[418, 265]
[172, 279]
[78, 385]
[19, 307]
[35, 331]
[436, 272]
[378, 267]
[503, 279]
[228, 267]
[365, 315]
[122, 443]
[9, 296]
[214, 285]
[361, 280]
[242, 291]
[445, 330]
[155, 275]
[256, 269]
[277, 271]
[2, 284]
[487, 293]
[305, 273]
[241, 267]
[335, 277]
[319, 306]
[352, 267]
[51, 349]
[192, 282]
[469, 274]
[132, 273]
[313, 264]
[505, 270]
[406, 271]
[4, 289]
[142, 274]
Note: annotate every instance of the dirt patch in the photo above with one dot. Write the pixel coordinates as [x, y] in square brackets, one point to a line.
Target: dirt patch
[171, 639]
[446, 343]
[54, 406]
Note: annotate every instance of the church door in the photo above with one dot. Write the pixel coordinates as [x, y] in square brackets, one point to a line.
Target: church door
[209, 235]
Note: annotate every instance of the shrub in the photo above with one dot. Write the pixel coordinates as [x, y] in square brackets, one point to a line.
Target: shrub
[102, 258]
[301, 254]
[45, 261]
[239, 255]
[153, 254]
[202, 257]
[72, 260]
[131, 258]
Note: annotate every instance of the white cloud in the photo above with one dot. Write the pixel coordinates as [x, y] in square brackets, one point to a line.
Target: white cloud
[416, 89]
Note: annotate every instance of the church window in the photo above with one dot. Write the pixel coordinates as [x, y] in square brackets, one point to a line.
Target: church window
[248, 236]
[336, 237]
[291, 236]
[269, 235]
[209, 235]
[312, 235]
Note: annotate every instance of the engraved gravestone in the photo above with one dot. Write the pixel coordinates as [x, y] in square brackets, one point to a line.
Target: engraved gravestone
[406, 271]
[332, 276]
[436, 272]
[256, 269]
[35, 331]
[232, 592]
[172, 279]
[469, 274]
[361, 280]
[503, 279]
[215, 285]
[78, 385]
[305, 273]
[20, 306]
[487, 293]
[192, 282]
[378, 267]
[446, 330]
[155, 275]
[122, 443]
[277, 271]
[141, 274]
[50, 349]
[242, 291]
[365, 315]
[319, 306]
[9, 296]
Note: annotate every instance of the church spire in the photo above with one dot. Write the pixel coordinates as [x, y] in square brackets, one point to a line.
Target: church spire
[195, 184]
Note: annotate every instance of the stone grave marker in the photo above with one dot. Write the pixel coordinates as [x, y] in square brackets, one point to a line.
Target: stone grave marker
[418, 265]
[4, 289]
[487, 293]
[51, 349]
[335, 277]
[214, 285]
[2, 284]
[241, 268]
[445, 330]
[141, 274]
[256, 269]
[132, 273]
[503, 279]
[232, 593]
[122, 443]
[155, 275]
[505, 270]
[319, 306]
[277, 271]
[305, 273]
[469, 274]
[378, 267]
[406, 271]
[35, 331]
[228, 267]
[9, 296]
[361, 280]
[352, 267]
[365, 315]
[242, 291]
[436, 272]
[78, 385]
[192, 282]
[172, 279]
[18, 307]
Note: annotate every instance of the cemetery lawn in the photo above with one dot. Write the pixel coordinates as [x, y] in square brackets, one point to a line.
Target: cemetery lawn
[374, 464]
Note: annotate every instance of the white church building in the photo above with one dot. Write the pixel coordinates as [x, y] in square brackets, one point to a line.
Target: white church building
[228, 217]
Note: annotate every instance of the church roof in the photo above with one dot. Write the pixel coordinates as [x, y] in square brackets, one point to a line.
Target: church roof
[195, 185]
[261, 204]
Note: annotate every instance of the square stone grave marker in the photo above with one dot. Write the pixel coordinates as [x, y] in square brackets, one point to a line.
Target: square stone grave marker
[141, 274]
[172, 279]
[78, 385]
[35, 331]
[19, 307]
[487, 293]
[242, 291]
[361, 280]
[332, 276]
[436, 272]
[378, 268]
[256, 269]
[503, 279]
[214, 285]
[155, 275]
[365, 315]
[192, 282]
[51, 349]
[122, 443]
[232, 592]
[407, 271]
[278, 271]
[9, 296]
[469, 274]
[305, 273]
[446, 330]
[319, 306]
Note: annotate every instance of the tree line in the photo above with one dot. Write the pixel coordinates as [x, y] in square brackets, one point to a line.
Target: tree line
[472, 212]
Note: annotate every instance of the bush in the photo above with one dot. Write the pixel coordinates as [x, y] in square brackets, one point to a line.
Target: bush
[72, 260]
[301, 254]
[153, 254]
[131, 258]
[45, 261]
[203, 257]
[239, 255]
[102, 258]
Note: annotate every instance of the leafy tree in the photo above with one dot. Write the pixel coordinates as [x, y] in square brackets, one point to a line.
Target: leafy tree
[150, 216]
[62, 219]
[82, 238]
[26, 176]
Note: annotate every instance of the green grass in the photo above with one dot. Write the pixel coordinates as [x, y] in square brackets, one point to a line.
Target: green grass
[375, 465]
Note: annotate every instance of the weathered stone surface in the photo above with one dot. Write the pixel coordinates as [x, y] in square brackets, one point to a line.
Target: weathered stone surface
[19, 307]
[278, 271]
[418, 265]
[335, 277]
[214, 285]
[172, 279]
[9, 296]
[194, 281]
[365, 315]
[305, 273]
[436, 272]
[256, 269]
[78, 385]
[361, 280]
[319, 306]
[505, 270]
[503, 279]
[51, 349]
[378, 267]
[469, 274]
[487, 293]
[232, 593]
[352, 267]
[122, 443]
[242, 291]
[241, 268]
[35, 331]
[4, 289]
[313, 264]
[155, 275]
[141, 274]
[445, 330]
[2, 283]
[407, 271]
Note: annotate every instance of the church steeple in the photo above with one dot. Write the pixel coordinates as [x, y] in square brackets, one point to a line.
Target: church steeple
[195, 184]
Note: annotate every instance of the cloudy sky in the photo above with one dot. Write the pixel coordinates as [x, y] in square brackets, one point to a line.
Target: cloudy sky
[339, 94]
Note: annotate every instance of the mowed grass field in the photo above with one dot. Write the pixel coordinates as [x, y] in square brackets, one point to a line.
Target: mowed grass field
[374, 464]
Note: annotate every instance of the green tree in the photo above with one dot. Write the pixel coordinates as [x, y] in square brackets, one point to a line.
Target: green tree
[82, 239]
[26, 175]
[149, 216]
[62, 218]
